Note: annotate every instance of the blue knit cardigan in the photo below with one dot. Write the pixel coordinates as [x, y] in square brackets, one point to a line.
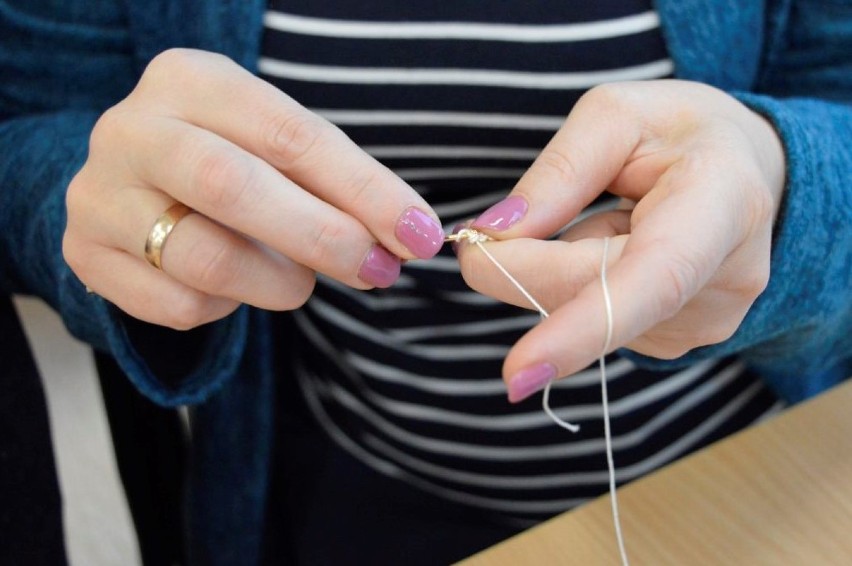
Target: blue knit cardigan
[63, 62]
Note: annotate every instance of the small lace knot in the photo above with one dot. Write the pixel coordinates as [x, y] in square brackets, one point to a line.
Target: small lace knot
[472, 236]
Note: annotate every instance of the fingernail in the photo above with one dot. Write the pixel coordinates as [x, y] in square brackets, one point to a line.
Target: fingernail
[420, 233]
[502, 215]
[530, 380]
[380, 268]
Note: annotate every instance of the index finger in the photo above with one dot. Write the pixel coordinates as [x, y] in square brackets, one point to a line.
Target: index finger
[581, 160]
[309, 150]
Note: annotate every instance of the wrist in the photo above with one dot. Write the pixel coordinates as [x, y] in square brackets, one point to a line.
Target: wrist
[771, 157]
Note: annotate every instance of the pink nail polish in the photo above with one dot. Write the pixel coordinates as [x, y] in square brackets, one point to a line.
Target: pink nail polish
[530, 380]
[380, 268]
[502, 215]
[420, 233]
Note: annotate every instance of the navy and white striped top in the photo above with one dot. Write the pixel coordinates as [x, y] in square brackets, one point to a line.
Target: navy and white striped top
[458, 98]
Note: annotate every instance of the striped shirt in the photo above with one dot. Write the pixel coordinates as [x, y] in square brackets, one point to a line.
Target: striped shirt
[458, 100]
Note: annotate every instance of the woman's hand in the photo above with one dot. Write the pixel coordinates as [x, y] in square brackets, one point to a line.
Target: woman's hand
[685, 263]
[280, 193]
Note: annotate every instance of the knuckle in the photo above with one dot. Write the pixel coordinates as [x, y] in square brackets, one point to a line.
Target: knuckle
[187, 311]
[291, 137]
[223, 179]
[716, 333]
[762, 207]
[606, 97]
[298, 294]
[357, 187]
[662, 345]
[178, 69]
[681, 340]
[323, 243]
[171, 63]
[694, 165]
[214, 266]
[672, 351]
[72, 254]
[754, 283]
[671, 341]
[681, 279]
[75, 197]
[560, 163]
[107, 131]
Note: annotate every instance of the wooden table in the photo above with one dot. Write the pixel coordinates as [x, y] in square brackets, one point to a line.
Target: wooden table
[779, 493]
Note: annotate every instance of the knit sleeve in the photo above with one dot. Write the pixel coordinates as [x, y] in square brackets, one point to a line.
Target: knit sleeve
[38, 157]
[798, 333]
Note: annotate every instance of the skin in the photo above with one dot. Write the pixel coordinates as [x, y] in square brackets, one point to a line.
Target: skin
[272, 211]
[701, 176]
[282, 195]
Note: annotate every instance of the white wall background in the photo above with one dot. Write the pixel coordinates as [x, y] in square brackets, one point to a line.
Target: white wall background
[98, 527]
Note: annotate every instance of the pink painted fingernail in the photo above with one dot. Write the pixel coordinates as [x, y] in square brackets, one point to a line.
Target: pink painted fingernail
[420, 233]
[502, 215]
[530, 380]
[380, 268]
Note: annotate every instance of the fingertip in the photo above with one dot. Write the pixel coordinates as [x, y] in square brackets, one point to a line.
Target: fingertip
[530, 380]
[380, 268]
[503, 215]
[419, 232]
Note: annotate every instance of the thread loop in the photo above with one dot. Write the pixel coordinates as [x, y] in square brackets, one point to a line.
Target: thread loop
[477, 238]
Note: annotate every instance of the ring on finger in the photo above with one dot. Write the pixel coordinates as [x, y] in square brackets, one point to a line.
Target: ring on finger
[160, 231]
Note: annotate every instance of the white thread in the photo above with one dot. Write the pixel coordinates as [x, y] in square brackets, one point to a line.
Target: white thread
[605, 404]
[545, 404]
[477, 238]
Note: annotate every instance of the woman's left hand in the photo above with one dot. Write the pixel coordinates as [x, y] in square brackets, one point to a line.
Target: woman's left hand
[685, 262]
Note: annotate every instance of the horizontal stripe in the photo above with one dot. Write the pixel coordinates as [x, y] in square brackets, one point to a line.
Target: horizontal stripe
[450, 152]
[426, 173]
[692, 438]
[465, 206]
[776, 408]
[410, 118]
[395, 471]
[437, 263]
[538, 419]
[525, 453]
[406, 281]
[379, 371]
[348, 363]
[442, 352]
[373, 302]
[468, 298]
[373, 369]
[547, 33]
[475, 328]
[467, 77]
[441, 115]
[623, 51]
[435, 98]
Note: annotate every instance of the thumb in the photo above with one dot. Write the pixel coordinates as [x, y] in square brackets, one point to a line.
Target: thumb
[552, 272]
[579, 163]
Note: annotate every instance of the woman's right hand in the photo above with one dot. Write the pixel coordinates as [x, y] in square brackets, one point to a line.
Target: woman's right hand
[280, 195]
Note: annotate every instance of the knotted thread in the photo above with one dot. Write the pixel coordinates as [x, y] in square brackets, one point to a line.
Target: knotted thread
[477, 238]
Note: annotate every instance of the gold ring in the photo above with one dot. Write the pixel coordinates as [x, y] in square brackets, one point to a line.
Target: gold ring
[160, 232]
